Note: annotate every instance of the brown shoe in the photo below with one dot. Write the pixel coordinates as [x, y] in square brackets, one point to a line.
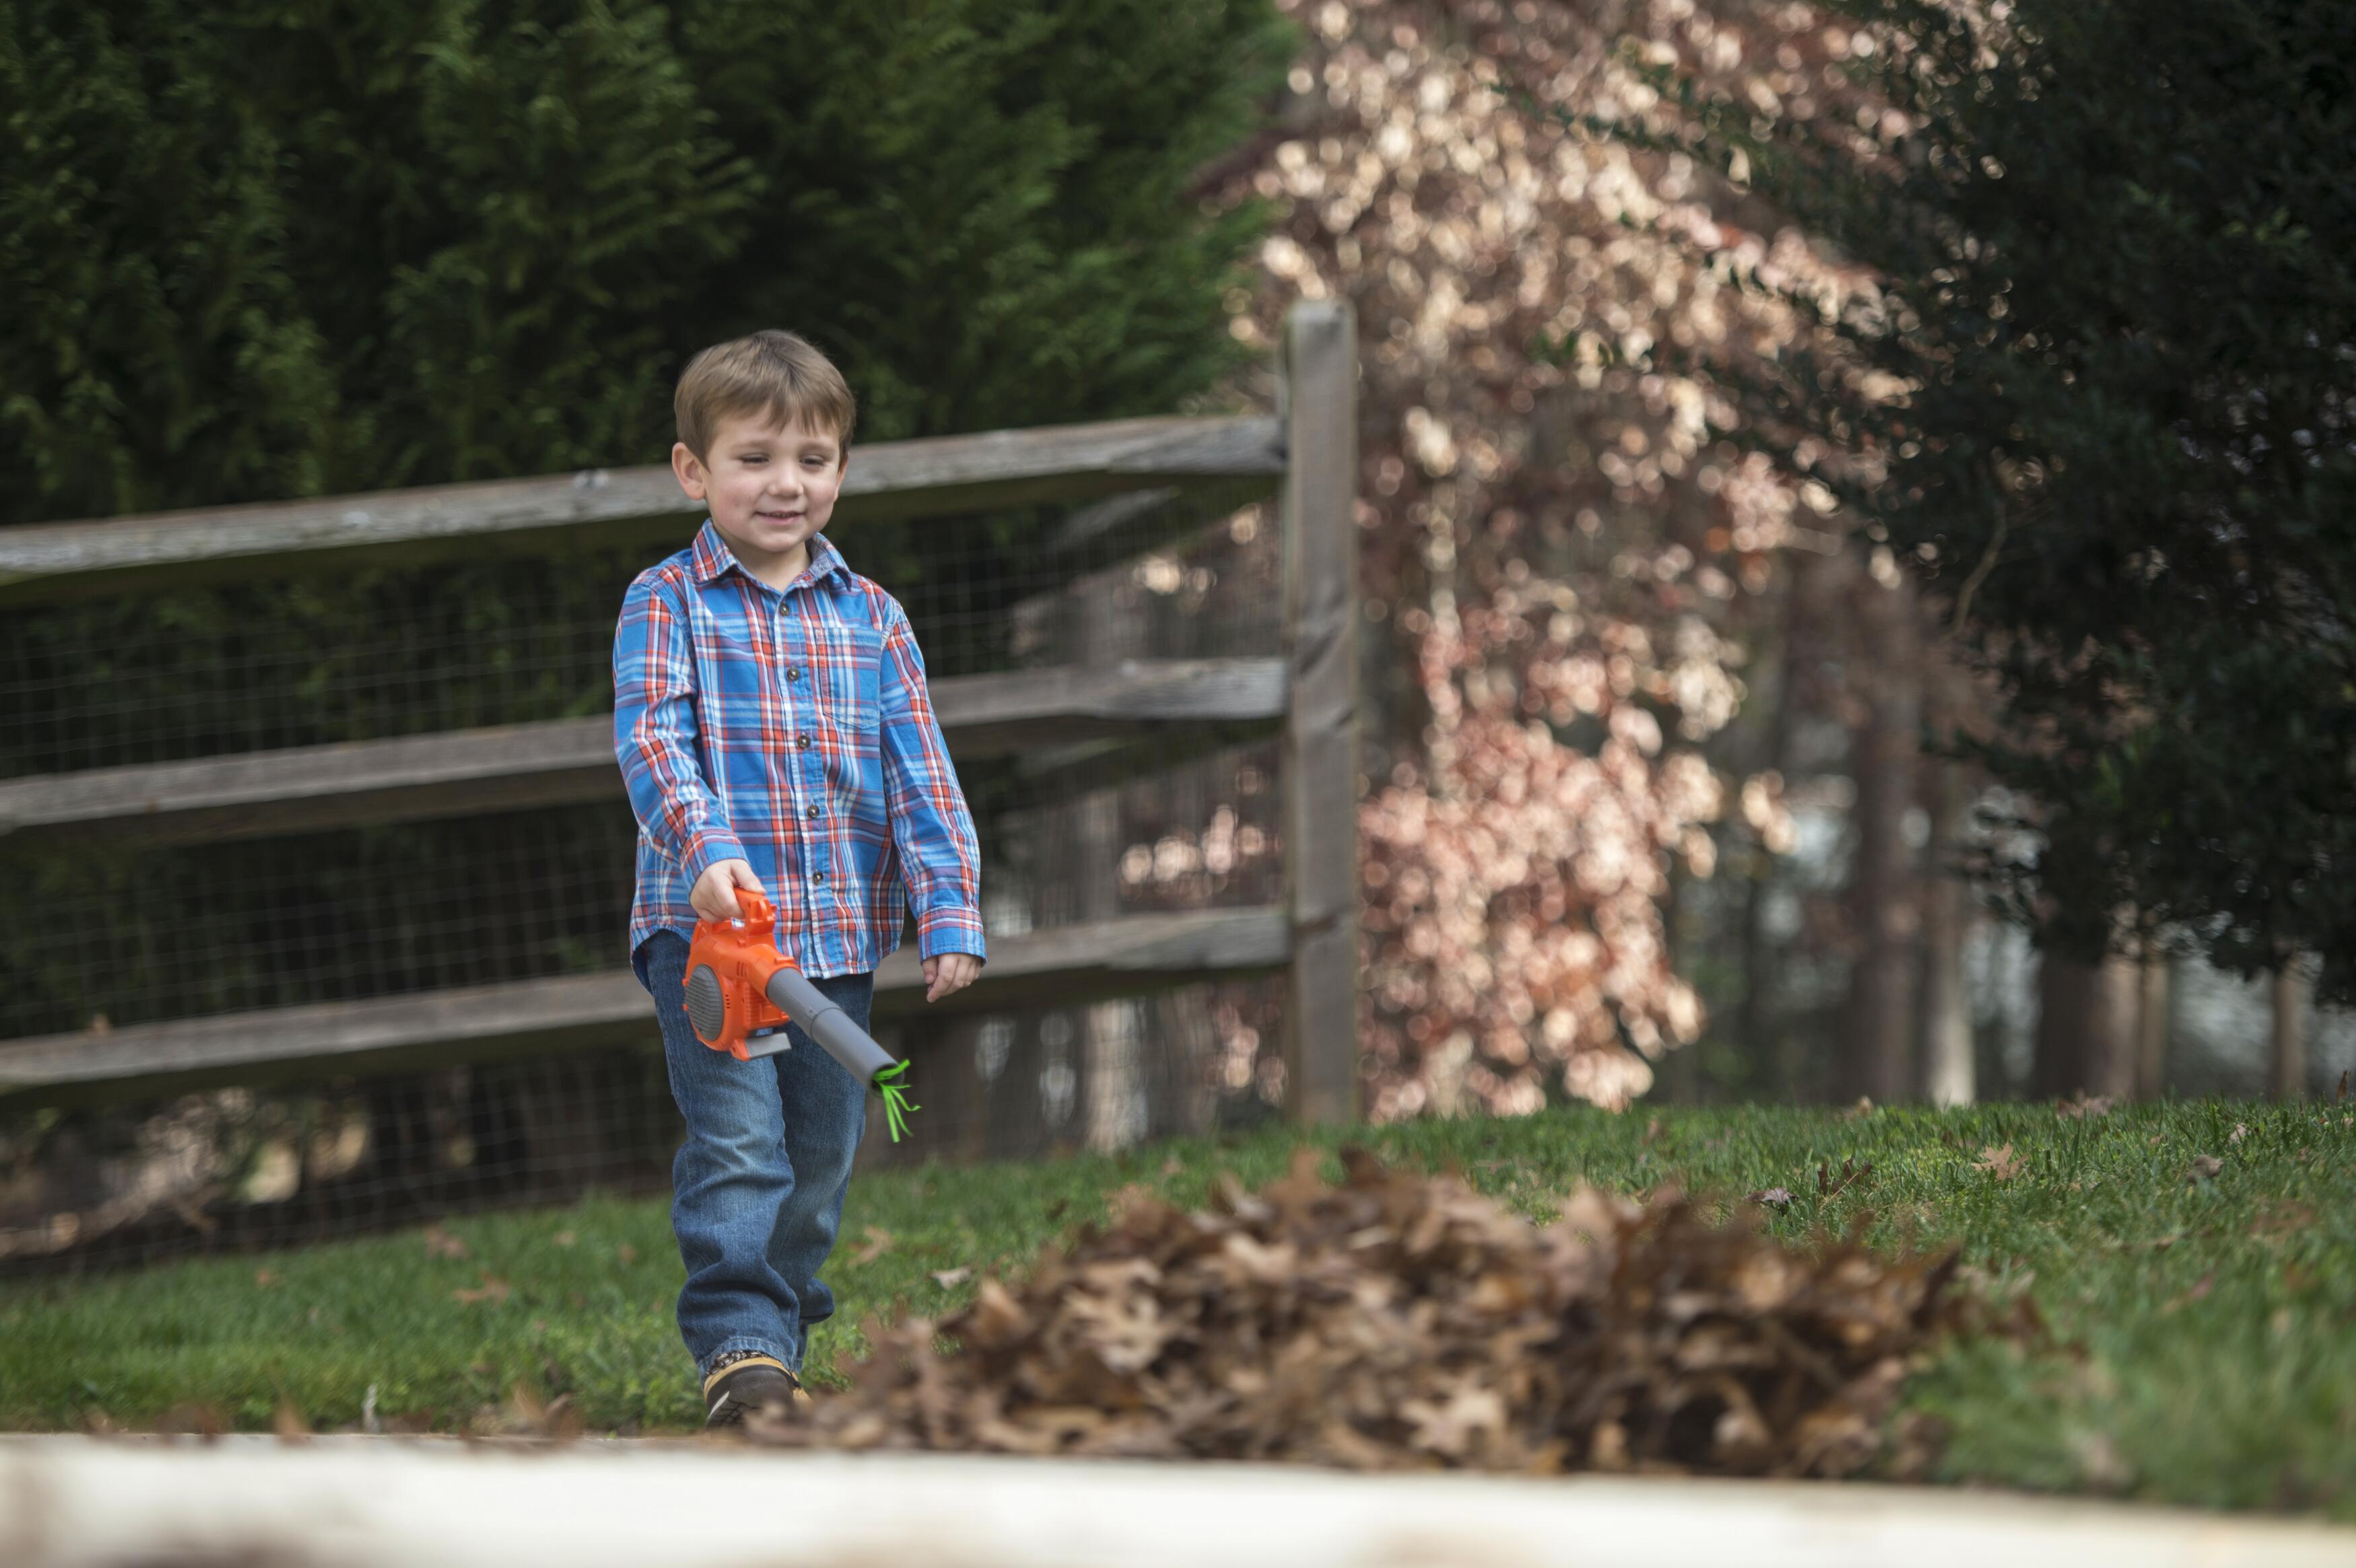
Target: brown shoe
[740, 1388]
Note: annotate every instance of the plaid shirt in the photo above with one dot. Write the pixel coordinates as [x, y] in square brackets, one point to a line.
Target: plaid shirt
[791, 730]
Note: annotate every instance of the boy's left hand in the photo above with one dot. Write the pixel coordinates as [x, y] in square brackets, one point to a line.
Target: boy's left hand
[947, 972]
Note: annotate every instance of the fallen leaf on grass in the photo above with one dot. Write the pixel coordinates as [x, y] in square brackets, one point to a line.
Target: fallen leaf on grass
[441, 1243]
[2085, 1104]
[264, 1277]
[879, 1242]
[2283, 1217]
[1864, 1107]
[493, 1289]
[2240, 1131]
[1772, 1196]
[2099, 1461]
[1851, 1174]
[1916, 1445]
[2000, 1162]
[564, 1238]
[2153, 1243]
[192, 1419]
[2200, 1288]
[951, 1278]
[289, 1424]
[1173, 1166]
[526, 1415]
[2204, 1167]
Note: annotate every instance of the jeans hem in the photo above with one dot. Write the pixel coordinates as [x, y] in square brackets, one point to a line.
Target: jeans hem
[764, 1346]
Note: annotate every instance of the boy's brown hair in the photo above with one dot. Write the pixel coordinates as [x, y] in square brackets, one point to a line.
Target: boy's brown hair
[778, 373]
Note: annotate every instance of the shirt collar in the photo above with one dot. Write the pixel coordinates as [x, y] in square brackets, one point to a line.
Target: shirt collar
[712, 557]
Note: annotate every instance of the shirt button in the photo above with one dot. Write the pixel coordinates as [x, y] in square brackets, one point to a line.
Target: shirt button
[810, 812]
[793, 672]
[803, 741]
[820, 879]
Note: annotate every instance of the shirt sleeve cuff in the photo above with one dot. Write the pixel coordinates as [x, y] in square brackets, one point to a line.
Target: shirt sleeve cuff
[707, 850]
[949, 930]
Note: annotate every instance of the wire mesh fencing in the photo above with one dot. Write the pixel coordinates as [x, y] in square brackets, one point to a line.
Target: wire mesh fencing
[242, 1168]
[100, 932]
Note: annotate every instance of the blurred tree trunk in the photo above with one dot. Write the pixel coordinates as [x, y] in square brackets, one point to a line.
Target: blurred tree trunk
[1015, 1123]
[2085, 1027]
[1181, 1100]
[2287, 1047]
[2151, 1026]
[1947, 911]
[1887, 757]
[1766, 1067]
[1677, 1076]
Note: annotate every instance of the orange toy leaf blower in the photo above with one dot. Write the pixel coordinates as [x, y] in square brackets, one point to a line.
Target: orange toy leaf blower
[737, 982]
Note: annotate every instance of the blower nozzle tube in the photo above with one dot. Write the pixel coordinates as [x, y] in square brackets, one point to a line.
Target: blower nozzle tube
[829, 1024]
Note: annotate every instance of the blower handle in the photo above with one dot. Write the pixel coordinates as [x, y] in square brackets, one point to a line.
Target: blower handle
[752, 908]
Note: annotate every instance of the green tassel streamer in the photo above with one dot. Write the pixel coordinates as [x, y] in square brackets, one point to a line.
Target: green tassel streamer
[896, 1104]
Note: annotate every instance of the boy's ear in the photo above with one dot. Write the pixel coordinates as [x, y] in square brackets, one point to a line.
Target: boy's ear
[688, 470]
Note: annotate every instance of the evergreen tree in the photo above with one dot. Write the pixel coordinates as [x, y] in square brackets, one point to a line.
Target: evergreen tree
[272, 248]
[982, 205]
[2103, 392]
[153, 347]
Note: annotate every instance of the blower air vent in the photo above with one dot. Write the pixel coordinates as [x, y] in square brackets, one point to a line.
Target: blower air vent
[707, 1010]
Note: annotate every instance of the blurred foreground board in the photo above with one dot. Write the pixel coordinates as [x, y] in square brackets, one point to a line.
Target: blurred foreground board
[362, 1502]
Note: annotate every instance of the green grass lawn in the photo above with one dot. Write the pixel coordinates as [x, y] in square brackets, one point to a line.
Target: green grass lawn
[2207, 1321]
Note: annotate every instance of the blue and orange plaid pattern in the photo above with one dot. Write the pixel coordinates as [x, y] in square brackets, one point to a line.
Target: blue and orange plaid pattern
[791, 730]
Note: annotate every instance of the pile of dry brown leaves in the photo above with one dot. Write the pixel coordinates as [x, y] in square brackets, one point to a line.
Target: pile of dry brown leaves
[1401, 1321]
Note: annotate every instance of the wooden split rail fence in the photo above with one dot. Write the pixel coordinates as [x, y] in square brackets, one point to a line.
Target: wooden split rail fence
[1308, 454]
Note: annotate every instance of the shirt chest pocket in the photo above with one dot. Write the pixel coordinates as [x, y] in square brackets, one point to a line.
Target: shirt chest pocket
[842, 668]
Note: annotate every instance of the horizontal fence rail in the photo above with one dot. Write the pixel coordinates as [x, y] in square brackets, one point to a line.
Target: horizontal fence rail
[1064, 965]
[570, 760]
[887, 481]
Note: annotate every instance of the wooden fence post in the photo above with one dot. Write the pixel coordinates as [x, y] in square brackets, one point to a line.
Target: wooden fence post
[1321, 761]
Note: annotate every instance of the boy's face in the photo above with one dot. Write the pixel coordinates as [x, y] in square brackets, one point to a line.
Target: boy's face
[770, 486]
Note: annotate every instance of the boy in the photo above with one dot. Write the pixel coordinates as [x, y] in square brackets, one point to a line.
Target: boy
[773, 727]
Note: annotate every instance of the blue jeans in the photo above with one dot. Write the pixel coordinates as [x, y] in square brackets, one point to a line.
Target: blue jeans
[756, 1189]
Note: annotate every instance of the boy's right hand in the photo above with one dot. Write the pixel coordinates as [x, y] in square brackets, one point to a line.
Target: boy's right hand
[714, 895]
